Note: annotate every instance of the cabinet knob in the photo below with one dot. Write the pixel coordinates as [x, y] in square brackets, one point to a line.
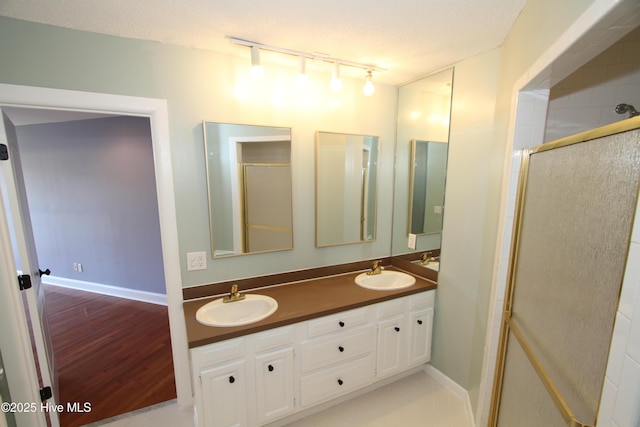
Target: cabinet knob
[270, 368]
[341, 348]
[340, 382]
[419, 322]
[397, 329]
[231, 379]
[341, 324]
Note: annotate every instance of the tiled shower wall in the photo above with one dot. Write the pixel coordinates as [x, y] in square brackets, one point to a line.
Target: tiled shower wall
[619, 405]
[587, 98]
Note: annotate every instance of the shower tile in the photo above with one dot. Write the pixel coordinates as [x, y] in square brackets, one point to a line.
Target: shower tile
[631, 282]
[633, 348]
[605, 412]
[627, 410]
[635, 234]
[618, 348]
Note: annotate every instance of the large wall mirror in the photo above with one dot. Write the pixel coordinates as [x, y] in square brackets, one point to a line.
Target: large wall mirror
[346, 177]
[249, 185]
[424, 109]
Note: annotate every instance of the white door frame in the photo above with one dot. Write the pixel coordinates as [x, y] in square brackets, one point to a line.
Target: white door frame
[157, 112]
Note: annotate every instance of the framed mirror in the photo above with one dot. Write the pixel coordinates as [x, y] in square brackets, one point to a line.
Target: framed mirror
[426, 186]
[422, 142]
[346, 188]
[249, 186]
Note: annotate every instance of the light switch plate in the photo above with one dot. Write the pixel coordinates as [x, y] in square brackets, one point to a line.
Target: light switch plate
[412, 241]
[196, 261]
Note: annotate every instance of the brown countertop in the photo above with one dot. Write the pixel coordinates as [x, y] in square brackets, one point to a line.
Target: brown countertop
[297, 302]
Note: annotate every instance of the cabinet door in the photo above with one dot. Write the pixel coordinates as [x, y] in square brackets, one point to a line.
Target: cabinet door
[224, 395]
[390, 345]
[420, 326]
[274, 384]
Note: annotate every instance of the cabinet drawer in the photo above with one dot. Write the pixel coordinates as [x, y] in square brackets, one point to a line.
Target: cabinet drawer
[336, 348]
[335, 381]
[337, 322]
[218, 353]
[390, 308]
[274, 338]
[424, 299]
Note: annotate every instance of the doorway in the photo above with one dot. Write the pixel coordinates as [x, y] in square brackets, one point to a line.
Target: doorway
[23, 383]
[91, 192]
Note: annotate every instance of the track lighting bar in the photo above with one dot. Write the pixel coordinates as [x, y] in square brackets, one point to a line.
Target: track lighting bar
[308, 55]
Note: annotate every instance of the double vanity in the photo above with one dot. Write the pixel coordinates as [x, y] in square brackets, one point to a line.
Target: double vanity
[285, 345]
[274, 352]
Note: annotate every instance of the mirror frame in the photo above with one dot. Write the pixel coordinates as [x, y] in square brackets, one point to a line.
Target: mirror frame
[208, 169]
[374, 203]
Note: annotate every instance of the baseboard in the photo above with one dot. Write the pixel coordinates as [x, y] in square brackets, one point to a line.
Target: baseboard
[452, 386]
[99, 288]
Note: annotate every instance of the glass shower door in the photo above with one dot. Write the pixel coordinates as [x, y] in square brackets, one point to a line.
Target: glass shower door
[575, 211]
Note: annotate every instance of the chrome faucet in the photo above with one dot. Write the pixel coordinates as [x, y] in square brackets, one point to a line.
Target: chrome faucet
[234, 295]
[376, 268]
[426, 258]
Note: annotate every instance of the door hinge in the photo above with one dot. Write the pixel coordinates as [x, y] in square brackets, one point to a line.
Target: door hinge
[24, 281]
[4, 152]
[46, 393]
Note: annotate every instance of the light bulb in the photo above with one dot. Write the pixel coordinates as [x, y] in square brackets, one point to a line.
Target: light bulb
[336, 83]
[302, 78]
[257, 72]
[368, 88]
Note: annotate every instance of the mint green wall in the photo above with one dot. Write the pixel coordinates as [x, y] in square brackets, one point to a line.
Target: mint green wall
[201, 85]
[469, 241]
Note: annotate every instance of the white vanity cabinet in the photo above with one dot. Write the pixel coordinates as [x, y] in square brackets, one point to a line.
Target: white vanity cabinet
[274, 373]
[404, 333]
[392, 338]
[221, 382]
[245, 381]
[263, 377]
[337, 355]
[420, 325]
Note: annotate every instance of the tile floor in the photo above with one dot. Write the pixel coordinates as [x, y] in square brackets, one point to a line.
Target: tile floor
[415, 401]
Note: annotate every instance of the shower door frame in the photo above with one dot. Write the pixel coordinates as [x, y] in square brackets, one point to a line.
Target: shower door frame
[507, 323]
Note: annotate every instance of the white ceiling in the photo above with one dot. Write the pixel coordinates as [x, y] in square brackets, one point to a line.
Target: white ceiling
[410, 38]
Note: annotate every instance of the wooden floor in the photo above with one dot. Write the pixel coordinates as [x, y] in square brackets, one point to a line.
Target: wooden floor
[111, 352]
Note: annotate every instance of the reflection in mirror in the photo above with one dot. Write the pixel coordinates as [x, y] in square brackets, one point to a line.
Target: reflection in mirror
[346, 175]
[249, 183]
[427, 182]
[424, 109]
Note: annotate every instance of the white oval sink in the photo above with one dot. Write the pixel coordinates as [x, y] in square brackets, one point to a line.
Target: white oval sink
[434, 265]
[237, 313]
[385, 281]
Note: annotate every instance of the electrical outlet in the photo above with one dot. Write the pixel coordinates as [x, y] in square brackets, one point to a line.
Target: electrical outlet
[77, 267]
[196, 261]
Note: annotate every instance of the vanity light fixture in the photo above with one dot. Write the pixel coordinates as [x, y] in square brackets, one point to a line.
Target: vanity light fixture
[256, 69]
[368, 88]
[302, 77]
[336, 84]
